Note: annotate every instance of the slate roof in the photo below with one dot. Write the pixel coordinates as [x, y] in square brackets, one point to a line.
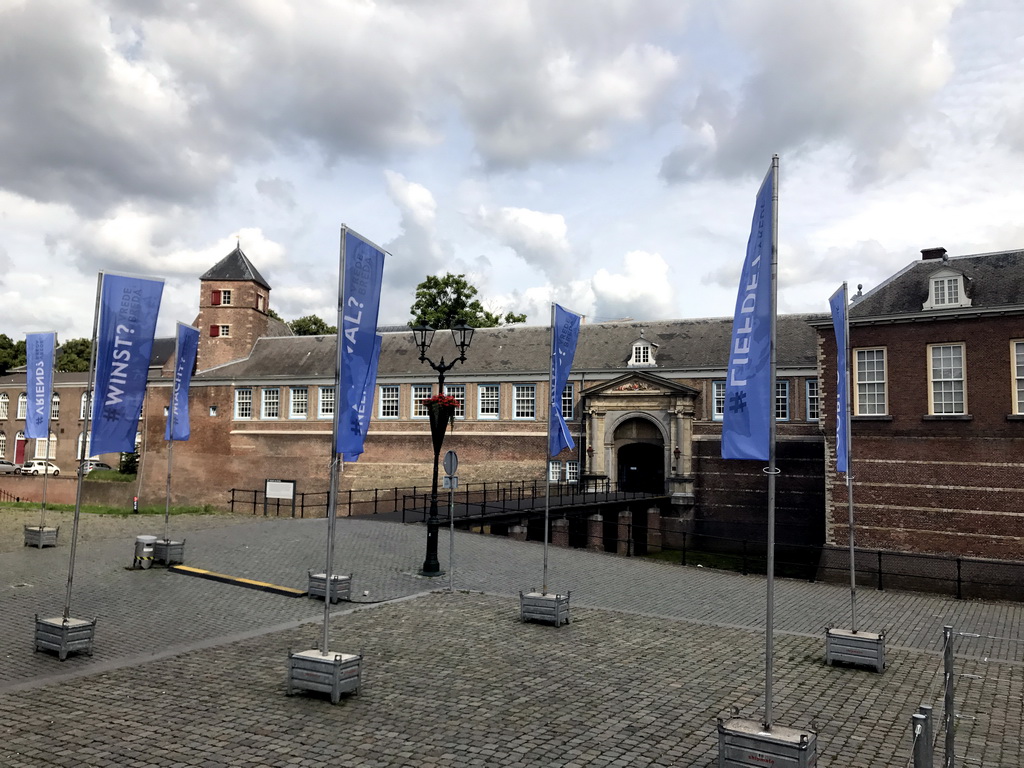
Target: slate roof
[683, 345]
[235, 266]
[994, 280]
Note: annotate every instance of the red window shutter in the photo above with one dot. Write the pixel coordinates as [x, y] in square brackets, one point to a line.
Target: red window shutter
[214, 331]
[215, 298]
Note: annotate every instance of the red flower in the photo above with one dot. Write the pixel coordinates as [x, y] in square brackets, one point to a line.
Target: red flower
[441, 401]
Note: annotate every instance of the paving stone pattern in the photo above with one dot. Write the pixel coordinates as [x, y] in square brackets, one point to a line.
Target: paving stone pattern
[192, 672]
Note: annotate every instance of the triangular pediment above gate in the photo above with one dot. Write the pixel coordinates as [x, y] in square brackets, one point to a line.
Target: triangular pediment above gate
[641, 383]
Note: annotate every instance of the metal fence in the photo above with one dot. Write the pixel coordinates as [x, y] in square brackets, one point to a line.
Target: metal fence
[5, 496]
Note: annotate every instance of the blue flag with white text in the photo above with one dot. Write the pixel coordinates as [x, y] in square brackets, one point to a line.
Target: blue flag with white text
[124, 343]
[564, 335]
[39, 349]
[358, 304]
[749, 399]
[838, 304]
[367, 402]
[178, 426]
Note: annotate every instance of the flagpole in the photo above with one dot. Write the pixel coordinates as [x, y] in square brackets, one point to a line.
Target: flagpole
[332, 495]
[849, 461]
[90, 396]
[772, 471]
[46, 472]
[547, 458]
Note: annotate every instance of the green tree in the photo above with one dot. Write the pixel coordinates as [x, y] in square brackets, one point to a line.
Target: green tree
[12, 353]
[74, 354]
[442, 302]
[311, 325]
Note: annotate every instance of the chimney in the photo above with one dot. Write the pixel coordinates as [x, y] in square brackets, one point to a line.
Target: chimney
[933, 253]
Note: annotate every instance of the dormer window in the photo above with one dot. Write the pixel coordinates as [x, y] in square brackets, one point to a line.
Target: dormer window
[643, 353]
[946, 290]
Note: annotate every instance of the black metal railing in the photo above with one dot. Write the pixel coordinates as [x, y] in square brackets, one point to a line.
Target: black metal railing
[5, 496]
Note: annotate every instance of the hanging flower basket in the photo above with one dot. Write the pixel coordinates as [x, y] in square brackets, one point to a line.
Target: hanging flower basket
[441, 410]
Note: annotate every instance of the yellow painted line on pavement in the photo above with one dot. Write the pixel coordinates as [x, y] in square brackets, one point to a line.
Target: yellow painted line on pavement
[248, 583]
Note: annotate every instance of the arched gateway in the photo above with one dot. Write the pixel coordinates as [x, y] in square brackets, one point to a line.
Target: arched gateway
[639, 435]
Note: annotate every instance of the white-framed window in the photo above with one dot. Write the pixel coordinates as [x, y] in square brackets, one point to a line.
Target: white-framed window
[5, 405]
[225, 297]
[568, 401]
[813, 400]
[572, 471]
[213, 410]
[22, 405]
[782, 401]
[325, 406]
[946, 289]
[224, 331]
[243, 403]
[84, 446]
[1017, 361]
[554, 471]
[298, 403]
[3, 443]
[642, 354]
[261, 302]
[84, 408]
[270, 403]
[388, 408]
[420, 392]
[458, 391]
[946, 380]
[524, 401]
[41, 446]
[869, 382]
[717, 400]
[55, 406]
[488, 401]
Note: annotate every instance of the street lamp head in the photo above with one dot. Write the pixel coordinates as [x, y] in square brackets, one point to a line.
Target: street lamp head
[422, 336]
[462, 334]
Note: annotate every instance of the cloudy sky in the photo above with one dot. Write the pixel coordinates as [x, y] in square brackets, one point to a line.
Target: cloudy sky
[604, 154]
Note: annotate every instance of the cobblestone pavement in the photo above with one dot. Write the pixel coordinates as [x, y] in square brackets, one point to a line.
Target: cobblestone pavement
[188, 671]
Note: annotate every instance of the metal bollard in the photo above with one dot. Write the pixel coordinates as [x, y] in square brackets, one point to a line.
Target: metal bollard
[143, 552]
[928, 735]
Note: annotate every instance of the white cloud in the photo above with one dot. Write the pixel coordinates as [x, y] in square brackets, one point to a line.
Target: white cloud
[539, 239]
[642, 290]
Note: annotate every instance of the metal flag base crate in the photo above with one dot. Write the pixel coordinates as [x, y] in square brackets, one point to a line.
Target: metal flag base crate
[546, 607]
[40, 536]
[865, 649]
[332, 673]
[744, 742]
[65, 635]
[169, 552]
[341, 586]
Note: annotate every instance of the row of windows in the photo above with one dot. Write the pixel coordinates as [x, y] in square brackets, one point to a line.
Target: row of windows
[572, 471]
[947, 380]
[5, 406]
[812, 402]
[40, 447]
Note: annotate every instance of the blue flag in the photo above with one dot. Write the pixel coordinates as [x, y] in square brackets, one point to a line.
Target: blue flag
[39, 349]
[124, 343]
[564, 333]
[178, 427]
[838, 304]
[749, 399]
[362, 272]
[367, 402]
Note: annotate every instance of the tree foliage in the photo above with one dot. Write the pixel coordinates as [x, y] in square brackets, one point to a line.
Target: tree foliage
[12, 353]
[442, 302]
[311, 325]
[73, 355]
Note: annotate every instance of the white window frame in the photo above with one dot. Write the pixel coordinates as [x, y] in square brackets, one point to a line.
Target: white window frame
[418, 393]
[5, 405]
[224, 331]
[83, 440]
[568, 401]
[84, 406]
[3, 443]
[812, 400]
[718, 400]
[325, 403]
[41, 447]
[243, 403]
[554, 471]
[782, 400]
[458, 391]
[298, 403]
[54, 406]
[270, 403]
[389, 401]
[22, 405]
[946, 289]
[870, 381]
[225, 297]
[572, 471]
[1017, 383]
[949, 382]
[524, 402]
[488, 401]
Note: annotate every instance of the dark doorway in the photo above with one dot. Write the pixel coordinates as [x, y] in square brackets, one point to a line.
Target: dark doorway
[642, 468]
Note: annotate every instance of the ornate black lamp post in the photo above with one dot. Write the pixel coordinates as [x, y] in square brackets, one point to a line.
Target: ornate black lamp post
[423, 335]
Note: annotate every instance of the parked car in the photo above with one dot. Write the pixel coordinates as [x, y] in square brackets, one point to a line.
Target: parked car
[88, 466]
[8, 467]
[38, 468]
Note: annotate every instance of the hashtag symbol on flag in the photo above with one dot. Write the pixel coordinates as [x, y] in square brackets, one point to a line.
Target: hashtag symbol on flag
[738, 402]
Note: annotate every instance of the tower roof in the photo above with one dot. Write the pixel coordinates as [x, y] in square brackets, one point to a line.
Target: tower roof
[235, 266]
